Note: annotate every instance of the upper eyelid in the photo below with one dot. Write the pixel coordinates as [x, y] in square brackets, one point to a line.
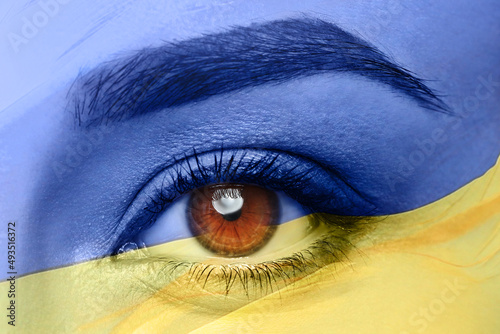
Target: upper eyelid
[149, 191]
[198, 68]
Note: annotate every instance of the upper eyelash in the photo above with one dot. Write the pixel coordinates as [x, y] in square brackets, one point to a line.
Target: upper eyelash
[274, 170]
[259, 169]
[226, 192]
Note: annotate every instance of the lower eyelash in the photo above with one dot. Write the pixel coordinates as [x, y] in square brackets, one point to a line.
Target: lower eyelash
[257, 280]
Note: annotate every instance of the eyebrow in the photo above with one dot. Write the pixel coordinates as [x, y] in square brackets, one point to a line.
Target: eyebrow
[195, 69]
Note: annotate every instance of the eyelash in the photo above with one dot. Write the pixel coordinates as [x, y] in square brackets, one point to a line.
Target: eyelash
[331, 248]
[316, 188]
[256, 280]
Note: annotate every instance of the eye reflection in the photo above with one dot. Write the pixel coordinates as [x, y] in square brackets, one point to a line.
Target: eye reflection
[233, 220]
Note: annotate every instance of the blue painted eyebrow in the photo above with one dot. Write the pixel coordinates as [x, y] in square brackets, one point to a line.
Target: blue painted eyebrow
[196, 69]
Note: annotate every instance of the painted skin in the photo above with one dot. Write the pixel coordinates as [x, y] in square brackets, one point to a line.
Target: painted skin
[338, 120]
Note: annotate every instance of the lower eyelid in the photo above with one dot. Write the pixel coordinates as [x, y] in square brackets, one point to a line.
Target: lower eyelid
[259, 279]
[288, 238]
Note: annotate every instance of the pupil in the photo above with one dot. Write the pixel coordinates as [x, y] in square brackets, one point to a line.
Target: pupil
[232, 216]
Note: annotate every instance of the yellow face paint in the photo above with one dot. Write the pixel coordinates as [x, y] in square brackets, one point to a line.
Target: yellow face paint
[434, 269]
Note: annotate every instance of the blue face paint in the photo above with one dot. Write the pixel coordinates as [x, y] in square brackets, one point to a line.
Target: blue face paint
[334, 110]
[343, 132]
[241, 58]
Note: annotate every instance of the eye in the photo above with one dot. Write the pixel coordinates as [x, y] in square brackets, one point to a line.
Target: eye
[228, 220]
[266, 216]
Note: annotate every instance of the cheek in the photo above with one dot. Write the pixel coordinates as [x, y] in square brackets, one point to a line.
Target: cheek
[405, 292]
[410, 293]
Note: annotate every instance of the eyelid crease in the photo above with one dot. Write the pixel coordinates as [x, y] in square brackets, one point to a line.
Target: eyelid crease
[317, 189]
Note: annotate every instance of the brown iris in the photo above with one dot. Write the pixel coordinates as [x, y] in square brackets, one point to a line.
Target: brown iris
[233, 219]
